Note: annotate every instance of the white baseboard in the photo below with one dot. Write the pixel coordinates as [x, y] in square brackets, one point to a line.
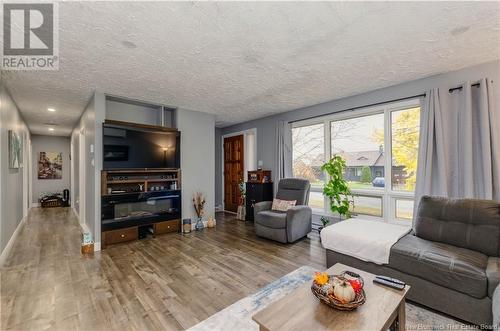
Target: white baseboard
[76, 213]
[35, 204]
[97, 247]
[10, 244]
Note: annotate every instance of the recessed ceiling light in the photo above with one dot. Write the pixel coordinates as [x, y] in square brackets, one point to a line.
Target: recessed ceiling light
[51, 129]
[51, 109]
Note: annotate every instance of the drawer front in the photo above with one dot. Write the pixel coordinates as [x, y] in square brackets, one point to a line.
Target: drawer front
[167, 227]
[120, 235]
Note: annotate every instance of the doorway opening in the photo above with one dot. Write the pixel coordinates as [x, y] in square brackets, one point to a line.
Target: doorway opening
[239, 155]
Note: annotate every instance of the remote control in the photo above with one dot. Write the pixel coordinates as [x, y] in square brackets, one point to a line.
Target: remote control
[392, 280]
[389, 284]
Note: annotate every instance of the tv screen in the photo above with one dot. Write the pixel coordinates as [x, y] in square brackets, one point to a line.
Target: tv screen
[127, 147]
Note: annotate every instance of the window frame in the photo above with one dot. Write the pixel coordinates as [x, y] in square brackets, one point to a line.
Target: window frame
[388, 195]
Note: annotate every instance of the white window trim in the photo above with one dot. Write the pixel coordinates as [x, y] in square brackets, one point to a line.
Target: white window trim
[388, 195]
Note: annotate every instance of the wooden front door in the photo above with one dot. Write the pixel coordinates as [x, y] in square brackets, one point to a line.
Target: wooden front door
[233, 171]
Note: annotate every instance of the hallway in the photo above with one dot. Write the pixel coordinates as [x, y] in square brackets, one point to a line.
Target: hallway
[167, 282]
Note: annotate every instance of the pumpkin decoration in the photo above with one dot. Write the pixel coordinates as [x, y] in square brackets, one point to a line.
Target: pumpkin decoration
[344, 292]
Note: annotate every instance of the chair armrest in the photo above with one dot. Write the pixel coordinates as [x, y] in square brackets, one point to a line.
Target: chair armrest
[261, 206]
[298, 222]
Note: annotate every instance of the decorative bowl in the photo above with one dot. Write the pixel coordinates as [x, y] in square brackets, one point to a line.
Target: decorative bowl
[330, 300]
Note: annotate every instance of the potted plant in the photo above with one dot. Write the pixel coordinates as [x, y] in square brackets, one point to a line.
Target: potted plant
[324, 221]
[336, 189]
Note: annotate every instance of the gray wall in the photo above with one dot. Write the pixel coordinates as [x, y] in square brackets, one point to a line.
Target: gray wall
[197, 159]
[218, 168]
[126, 112]
[13, 183]
[39, 144]
[266, 126]
[90, 125]
[75, 158]
[136, 112]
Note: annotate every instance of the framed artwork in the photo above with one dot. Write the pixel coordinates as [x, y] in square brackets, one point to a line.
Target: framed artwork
[15, 150]
[49, 165]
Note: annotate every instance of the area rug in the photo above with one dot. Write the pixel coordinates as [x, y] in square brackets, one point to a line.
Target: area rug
[238, 316]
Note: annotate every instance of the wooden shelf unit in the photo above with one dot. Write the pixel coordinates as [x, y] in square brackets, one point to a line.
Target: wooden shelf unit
[121, 178]
[146, 177]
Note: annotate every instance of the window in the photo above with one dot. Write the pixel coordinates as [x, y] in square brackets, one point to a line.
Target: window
[380, 146]
[309, 153]
[316, 200]
[405, 126]
[404, 209]
[367, 205]
[360, 141]
[308, 156]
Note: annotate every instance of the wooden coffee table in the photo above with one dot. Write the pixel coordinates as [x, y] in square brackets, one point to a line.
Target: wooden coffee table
[301, 310]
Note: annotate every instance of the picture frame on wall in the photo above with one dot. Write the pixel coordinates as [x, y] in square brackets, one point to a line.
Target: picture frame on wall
[50, 165]
[15, 150]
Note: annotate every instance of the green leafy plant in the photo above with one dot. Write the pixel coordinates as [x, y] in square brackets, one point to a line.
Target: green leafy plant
[336, 189]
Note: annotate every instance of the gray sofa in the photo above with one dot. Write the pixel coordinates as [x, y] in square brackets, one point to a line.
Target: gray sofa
[451, 258]
[289, 226]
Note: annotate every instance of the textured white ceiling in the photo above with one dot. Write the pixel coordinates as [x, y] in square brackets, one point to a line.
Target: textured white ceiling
[242, 61]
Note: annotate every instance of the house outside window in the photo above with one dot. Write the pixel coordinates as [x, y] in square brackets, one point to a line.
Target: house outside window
[380, 146]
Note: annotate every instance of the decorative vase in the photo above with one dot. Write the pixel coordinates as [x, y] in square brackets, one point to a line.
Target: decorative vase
[199, 224]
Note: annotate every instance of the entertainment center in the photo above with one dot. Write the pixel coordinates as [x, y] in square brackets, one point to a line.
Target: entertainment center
[140, 183]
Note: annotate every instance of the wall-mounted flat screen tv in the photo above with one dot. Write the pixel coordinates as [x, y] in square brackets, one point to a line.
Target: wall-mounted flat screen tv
[131, 147]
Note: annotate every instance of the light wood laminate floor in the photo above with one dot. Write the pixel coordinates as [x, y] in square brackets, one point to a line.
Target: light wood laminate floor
[170, 282]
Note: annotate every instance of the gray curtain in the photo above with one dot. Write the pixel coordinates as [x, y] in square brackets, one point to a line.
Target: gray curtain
[459, 148]
[283, 151]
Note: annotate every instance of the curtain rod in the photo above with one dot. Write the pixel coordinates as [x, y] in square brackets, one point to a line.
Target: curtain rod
[460, 87]
[358, 107]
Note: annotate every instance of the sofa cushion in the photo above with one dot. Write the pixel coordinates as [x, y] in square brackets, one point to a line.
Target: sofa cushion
[493, 274]
[467, 223]
[456, 268]
[271, 219]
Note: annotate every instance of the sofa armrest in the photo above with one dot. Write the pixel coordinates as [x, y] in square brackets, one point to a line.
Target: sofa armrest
[261, 206]
[298, 222]
[493, 274]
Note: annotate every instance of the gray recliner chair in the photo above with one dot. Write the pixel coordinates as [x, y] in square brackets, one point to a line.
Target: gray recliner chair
[289, 226]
